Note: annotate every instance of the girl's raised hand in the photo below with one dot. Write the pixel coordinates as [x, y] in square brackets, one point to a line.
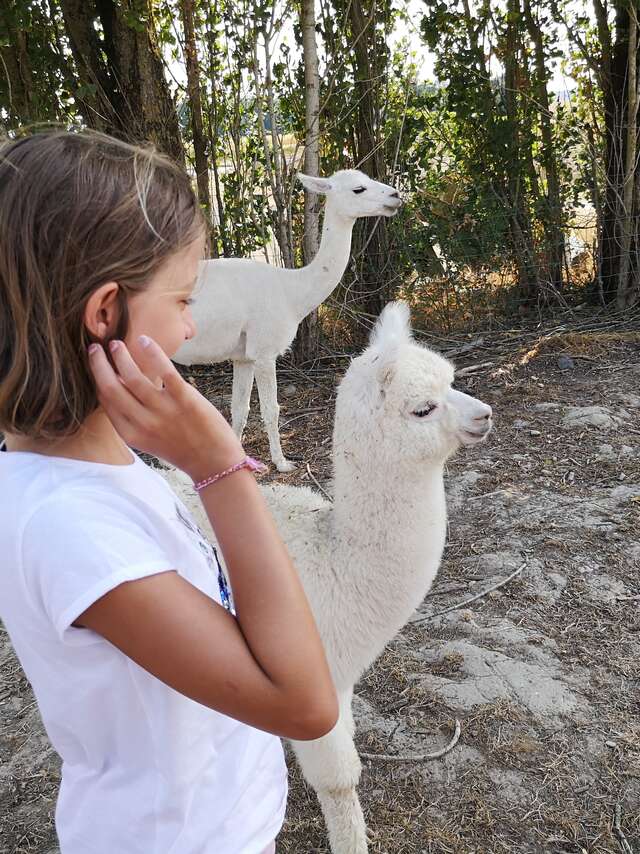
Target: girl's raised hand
[156, 411]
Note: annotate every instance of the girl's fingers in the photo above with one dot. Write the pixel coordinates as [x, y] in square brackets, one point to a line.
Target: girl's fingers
[155, 363]
[107, 383]
[134, 378]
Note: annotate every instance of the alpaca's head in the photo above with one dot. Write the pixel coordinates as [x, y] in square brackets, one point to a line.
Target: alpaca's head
[353, 194]
[396, 404]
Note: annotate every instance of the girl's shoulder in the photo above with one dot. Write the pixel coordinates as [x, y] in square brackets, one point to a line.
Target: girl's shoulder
[52, 493]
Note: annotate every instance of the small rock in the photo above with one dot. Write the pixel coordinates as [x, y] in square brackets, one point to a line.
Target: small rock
[632, 400]
[545, 407]
[621, 476]
[290, 390]
[590, 416]
[466, 615]
[566, 363]
[519, 424]
[535, 433]
[605, 452]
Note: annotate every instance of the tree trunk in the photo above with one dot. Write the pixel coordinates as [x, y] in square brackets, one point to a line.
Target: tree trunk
[273, 162]
[102, 107]
[16, 69]
[195, 104]
[552, 221]
[518, 210]
[613, 72]
[371, 246]
[625, 289]
[125, 69]
[307, 339]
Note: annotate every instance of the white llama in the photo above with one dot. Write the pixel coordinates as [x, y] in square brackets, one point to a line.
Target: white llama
[368, 559]
[249, 312]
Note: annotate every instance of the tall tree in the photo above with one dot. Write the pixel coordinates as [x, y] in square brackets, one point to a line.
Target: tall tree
[115, 48]
[552, 209]
[369, 23]
[626, 292]
[187, 11]
[306, 342]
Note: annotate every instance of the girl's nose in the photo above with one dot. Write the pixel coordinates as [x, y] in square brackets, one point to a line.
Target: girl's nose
[190, 328]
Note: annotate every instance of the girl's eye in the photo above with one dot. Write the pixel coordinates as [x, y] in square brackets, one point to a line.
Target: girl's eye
[422, 413]
[189, 301]
[360, 190]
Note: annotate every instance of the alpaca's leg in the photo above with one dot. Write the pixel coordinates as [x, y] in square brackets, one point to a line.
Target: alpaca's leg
[332, 766]
[241, 395]
[269, 409]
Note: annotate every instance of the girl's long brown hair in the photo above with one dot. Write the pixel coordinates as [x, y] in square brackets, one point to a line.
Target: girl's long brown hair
[76, 210]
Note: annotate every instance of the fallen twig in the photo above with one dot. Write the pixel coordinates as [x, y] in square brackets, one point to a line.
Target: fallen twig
[473, 598]
[421, 757]
[628, 598]
[464, 348]
[618, 830]
[471, 369]
[323, 491]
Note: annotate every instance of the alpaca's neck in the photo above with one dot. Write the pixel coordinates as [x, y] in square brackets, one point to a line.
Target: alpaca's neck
[397, 518]
[311, 285]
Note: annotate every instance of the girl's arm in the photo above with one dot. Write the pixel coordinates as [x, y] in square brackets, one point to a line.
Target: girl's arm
[267, 667]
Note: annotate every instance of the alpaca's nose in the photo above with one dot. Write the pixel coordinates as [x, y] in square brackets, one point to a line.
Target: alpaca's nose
[395, 195]
[487, 413]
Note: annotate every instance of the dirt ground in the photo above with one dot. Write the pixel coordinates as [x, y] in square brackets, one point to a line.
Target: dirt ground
[541, 672]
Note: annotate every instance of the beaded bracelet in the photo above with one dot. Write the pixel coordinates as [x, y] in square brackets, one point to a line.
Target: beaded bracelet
[246, 463]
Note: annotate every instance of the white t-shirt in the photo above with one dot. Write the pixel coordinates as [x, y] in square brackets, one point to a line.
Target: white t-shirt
[145, 769]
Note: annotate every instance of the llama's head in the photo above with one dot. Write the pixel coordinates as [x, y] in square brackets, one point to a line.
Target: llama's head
[396, 403]
[353, 194]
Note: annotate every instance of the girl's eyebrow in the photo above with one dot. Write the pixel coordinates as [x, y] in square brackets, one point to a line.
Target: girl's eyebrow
[189, 286]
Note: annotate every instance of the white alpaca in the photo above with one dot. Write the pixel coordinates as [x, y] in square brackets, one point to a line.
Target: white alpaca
[368, 559]
[249, 312]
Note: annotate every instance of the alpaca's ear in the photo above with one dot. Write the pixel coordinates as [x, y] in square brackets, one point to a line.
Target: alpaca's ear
[313, 184]
[389, 334]
[392, 325]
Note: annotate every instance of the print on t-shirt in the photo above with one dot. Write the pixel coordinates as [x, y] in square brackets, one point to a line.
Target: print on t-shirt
[210, 555]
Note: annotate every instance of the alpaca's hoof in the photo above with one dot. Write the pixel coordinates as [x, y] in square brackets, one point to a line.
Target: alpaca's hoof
[285, 466]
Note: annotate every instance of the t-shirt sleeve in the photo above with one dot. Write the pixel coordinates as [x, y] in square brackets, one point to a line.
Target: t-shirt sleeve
[74, 551]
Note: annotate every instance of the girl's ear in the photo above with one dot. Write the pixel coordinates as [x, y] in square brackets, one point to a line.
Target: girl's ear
[101, 312]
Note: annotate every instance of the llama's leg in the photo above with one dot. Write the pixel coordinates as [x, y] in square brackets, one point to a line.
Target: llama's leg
[332, 766]
[241, 395]
[269, 409]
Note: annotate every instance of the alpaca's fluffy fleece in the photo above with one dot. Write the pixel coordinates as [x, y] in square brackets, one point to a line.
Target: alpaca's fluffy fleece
[368, 558]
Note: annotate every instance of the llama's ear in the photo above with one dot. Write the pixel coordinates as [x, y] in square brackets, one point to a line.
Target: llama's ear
[392, 325]
[389, 334]
[313, 184]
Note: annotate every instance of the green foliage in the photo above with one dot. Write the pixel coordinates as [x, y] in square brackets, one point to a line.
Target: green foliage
[470, 150]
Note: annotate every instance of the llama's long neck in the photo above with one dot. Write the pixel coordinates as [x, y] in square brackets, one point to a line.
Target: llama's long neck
[311, 285]
[389, 529]
[397, 519]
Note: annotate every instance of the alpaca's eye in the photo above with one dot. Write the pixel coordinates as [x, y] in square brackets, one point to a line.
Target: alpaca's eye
[422, 413]
[360, 190]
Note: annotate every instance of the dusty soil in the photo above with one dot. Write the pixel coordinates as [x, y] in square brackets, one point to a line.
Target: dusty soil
[542, 672]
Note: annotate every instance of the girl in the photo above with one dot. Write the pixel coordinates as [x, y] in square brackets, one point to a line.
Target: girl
[161, 691]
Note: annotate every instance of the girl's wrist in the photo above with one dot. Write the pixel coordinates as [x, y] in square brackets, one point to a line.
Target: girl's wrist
[248, 463]
[208, 464]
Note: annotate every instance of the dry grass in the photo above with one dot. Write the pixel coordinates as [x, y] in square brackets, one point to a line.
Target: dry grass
[591, 345]
[516, 783]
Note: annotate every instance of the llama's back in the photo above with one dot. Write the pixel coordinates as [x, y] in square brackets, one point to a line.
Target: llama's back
[303, 519]
[305, 522]
[240, 311]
